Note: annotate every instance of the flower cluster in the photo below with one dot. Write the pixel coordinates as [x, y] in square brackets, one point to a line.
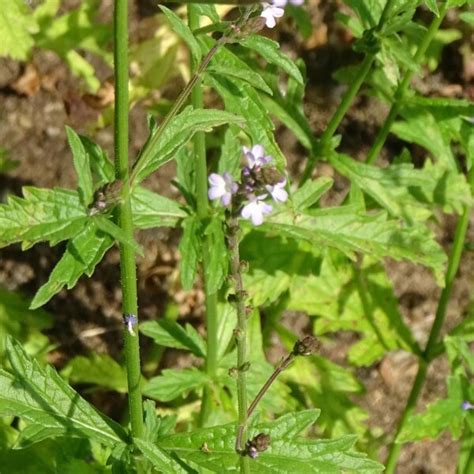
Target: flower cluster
[276, 10]
[259, 181]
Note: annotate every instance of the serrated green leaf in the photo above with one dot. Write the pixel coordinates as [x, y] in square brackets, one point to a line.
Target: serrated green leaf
[433, 6]
[349, 230]
[227, 64]
[50, 215]
[217, 266]
[82, 167]
[231, 153]
[190, 250]
[438, 416]
[287, 452]
[181, 29]
[405, 191]
[177, 134]
[100, 163]
[113, 230]
[48, 404]
[160, 458]
[17, 320]
[270, 51]
[246, 102]
[151, 210]
[174, 382]
[97, 369]
[308, 194]
[82, 254]
[16, 28]
[420, 127]
[171, 334]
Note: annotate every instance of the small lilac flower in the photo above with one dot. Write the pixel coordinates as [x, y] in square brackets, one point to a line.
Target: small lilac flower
[278, 191]
[221, 187]
[256, 156]
[467, 405]
[256, 209]
[270, 12]
[130, 320]
[284, 3]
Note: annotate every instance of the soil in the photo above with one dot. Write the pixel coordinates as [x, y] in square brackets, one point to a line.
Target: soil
[37, 99]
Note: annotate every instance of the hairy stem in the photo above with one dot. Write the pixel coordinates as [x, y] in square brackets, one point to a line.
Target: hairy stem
[127, 257]
[241, 340]
[200, 161]
[403, 86]
[326, 137]
[429, 353]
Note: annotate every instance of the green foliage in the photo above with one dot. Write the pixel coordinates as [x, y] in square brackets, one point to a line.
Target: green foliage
[51, 215]
[171, 334]
[81, 256]
[173, 383]
[97, 369]
[48, 404]
[213, 449]
[16, 28]
[178, 133]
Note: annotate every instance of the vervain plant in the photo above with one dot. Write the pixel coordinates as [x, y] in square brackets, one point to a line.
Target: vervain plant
[261, 245]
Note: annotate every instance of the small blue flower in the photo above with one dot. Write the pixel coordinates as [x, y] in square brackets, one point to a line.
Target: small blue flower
[221, 187]
[130, 320]
[256, 209]
[467, 405]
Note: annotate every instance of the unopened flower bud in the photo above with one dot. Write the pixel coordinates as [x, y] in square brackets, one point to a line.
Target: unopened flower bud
[257, 445]
[306, 346]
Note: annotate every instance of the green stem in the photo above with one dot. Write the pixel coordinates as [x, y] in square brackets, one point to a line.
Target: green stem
[202, 202]
[429, 353]
[180, 101]
[403, 86]
[326, 137]
[127, 257]
[241, 340]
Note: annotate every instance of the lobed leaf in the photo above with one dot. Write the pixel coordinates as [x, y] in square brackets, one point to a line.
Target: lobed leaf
[349, 230]
[82, 166]
[179, 131]
[171, 334]
[50, 215]
[174, 382]
[97, 369]
[181, 29]
[48, 404]
[270, 51]
[214, 449]
[82, 254]
[151, 210]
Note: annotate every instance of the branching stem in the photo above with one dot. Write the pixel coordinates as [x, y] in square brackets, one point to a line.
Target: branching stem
[403, 86]
[325, 139]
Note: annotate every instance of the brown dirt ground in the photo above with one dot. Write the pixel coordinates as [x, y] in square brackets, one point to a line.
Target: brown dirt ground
[88, 317]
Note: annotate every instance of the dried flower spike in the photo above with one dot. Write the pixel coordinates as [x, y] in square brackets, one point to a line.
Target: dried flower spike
[307, 346]
[257, 445]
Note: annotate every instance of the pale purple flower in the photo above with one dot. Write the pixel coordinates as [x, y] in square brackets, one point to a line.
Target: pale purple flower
[256, 156]
[256, 209]
[467, 405]
[278, 191]
[130, 320]
[270, 12]
[221, 187]
[284, 3]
